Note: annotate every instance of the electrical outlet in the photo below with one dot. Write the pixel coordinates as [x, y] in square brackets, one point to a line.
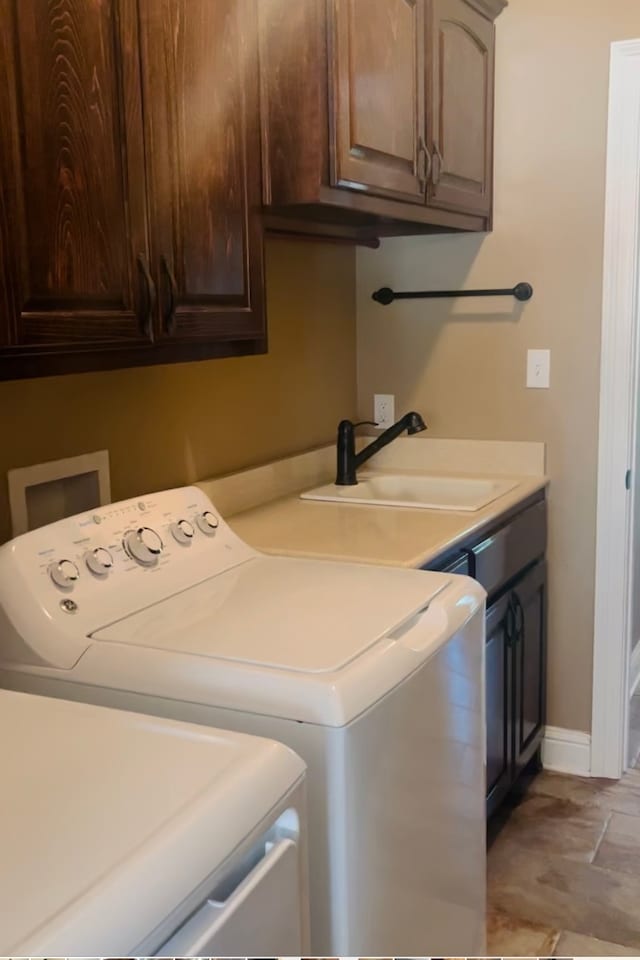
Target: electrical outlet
[538, 369]
[383, 409]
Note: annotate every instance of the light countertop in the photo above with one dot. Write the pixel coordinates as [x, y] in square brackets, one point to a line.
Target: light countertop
[398, 536]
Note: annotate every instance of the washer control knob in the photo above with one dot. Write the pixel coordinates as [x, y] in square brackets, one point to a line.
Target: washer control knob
[182, 531]
[98, 561]
[64, 573]
[144, 545]
[207, 522]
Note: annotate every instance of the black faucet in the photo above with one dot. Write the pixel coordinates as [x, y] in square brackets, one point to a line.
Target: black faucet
[349, 460]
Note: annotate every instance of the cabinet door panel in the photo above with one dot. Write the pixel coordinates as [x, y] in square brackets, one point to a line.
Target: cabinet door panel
[72, 204]
[378, 97]
[461, 107]
[499, 704]
[530, 664]
[200, 80]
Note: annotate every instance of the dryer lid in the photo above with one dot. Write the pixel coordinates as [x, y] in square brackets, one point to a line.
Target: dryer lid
[99, 806]
[303, 616]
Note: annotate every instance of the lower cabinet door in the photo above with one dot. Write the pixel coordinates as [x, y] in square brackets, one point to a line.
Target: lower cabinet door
[499, 706]
[529, 653]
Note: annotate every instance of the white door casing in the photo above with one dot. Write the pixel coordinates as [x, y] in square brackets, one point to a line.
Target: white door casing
[618, 451]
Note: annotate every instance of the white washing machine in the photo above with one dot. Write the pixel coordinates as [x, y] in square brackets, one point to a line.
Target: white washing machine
[125, 834]
[373, 675]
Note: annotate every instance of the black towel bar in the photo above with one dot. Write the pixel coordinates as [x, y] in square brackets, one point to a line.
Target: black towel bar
[385, 295]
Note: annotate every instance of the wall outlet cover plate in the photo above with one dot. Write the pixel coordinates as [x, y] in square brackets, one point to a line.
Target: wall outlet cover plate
[384, 409]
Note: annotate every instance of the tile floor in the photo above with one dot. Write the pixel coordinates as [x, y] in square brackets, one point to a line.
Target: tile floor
[564, 869]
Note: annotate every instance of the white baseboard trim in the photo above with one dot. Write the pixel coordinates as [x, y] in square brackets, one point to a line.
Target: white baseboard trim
[567, 751]
[634, 671]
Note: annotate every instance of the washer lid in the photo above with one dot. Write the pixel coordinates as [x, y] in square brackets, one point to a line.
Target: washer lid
[99, 807]
[302, 616]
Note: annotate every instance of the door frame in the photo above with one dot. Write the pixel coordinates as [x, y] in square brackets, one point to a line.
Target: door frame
[619, 382]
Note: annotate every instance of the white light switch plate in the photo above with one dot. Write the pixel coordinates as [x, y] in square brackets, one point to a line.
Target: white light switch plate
[539, 369]
[384, 409]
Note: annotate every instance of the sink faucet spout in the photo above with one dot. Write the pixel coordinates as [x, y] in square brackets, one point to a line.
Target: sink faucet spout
[349, 461]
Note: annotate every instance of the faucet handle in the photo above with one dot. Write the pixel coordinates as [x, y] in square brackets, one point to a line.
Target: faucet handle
[365, 423]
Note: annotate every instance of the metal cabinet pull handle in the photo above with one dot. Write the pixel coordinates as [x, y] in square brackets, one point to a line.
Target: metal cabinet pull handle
[437, 174]
[510, 620]
[149, 299]
[425, 164]
[170, 313]
[519, 619]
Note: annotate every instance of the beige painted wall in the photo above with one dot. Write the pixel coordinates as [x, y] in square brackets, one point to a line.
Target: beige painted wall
[171, 425]
[462, 364]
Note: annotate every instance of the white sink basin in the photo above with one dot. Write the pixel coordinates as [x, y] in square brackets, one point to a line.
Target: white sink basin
[425, 491]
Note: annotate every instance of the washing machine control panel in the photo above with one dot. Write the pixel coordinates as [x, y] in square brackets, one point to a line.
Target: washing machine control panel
[99, 566]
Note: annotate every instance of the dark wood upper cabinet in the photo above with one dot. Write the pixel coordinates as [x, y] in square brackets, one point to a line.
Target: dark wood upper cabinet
[460, 106]
[377, 115]
[202, 131]
[130, 193]
[72, 195]
[146, 144]
[378, 89]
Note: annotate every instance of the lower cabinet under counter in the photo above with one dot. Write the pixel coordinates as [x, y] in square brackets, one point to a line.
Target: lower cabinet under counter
[509, 562]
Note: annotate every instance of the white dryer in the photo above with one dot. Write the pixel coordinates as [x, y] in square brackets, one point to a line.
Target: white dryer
[373, 675]
[122, 834]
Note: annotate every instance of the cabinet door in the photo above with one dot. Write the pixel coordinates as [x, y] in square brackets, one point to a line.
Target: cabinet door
[73, 232]
[460, 107]
[499, 702]
[378, 61]
[529, 664]
[200, 81]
